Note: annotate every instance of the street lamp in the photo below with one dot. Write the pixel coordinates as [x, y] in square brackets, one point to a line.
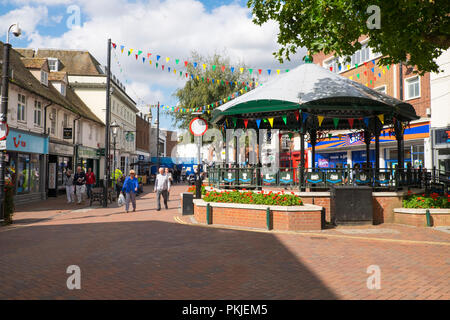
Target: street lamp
[115, 129]
[15, 29]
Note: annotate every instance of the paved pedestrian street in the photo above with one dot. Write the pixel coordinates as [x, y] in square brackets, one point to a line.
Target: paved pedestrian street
[164, 255]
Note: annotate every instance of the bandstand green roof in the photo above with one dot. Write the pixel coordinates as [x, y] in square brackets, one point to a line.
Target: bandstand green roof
[316, 91]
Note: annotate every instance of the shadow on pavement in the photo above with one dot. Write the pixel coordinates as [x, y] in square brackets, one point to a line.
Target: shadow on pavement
[152, 260]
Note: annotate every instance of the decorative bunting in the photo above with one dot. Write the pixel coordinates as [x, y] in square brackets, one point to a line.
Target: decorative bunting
[284, 119]
[245, 123]
[366, 121]
[320, 120]
[304, 116]
[336, 122]
[258, 122]
[271, 122]
[381, 117]
[297, 114]
[350, 122]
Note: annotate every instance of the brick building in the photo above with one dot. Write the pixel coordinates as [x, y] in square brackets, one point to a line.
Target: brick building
[398, 81]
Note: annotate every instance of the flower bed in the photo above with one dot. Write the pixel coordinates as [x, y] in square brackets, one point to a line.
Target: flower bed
[277, 199]
[423, 201]
[192, 189]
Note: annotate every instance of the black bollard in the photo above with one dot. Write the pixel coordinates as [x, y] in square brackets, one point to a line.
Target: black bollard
[198, 185]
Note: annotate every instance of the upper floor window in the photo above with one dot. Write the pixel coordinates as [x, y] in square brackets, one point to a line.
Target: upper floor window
[53, 64]
[37, 113]
[381, 89]
[66, 121]
[21, 107]
[341, 64]
[53, 121]
[44, 77]
[412, 88]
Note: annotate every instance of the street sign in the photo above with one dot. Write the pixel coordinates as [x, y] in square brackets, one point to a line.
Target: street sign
[198, 127]
[4, 131]
[67, 133]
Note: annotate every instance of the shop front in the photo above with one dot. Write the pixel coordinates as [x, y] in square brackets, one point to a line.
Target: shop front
[25, 164]
[331, 160]
[89, 158]
[60, 159]
[442, 149]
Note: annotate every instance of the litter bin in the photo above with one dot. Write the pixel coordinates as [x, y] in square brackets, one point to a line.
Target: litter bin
[351, 205]
[188, 203]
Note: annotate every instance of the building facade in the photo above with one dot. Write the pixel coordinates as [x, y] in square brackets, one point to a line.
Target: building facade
[399, 81]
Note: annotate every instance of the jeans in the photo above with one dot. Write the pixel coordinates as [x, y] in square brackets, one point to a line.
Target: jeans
[69, 193]
[89, 190]
[165, 195]
[130, 196]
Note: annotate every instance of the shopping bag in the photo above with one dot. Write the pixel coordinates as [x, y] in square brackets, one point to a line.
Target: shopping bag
[121, 200]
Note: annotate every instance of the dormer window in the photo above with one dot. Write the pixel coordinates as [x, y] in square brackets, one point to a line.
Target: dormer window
[53, 64]
[44, 77]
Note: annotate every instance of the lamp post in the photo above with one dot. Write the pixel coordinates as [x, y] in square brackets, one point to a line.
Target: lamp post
[15, 29]
[115, 128]
[107, 125]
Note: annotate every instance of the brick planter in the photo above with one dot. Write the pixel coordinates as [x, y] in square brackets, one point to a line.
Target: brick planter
[292, 218]
[417, 217]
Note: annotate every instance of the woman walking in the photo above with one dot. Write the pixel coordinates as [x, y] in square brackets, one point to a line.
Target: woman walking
[130, 187]
[68, 183]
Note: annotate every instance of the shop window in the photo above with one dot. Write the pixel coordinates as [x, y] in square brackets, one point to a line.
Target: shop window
[21, 108]
[37, 113]
[23, 173]
[34, 173]
[412, 88]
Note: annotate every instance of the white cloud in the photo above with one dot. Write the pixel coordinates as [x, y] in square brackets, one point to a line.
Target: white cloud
[28, 17]
[172, 28]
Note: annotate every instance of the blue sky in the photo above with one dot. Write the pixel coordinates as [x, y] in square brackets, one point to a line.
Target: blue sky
[172, 28]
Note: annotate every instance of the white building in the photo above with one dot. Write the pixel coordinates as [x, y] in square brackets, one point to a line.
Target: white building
[440, 113]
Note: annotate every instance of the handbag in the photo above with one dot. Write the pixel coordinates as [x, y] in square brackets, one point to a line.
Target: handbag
[121, 200]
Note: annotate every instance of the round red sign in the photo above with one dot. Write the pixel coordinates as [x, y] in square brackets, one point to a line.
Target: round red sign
[198, 126]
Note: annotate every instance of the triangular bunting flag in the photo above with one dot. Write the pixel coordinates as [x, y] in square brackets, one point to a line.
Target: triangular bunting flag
[284, 119]
[320, 119]
[245, 123]
[336, 122]
[381, 117]
[271, 122]
[304, 116]
[258, 122]
[350, 122]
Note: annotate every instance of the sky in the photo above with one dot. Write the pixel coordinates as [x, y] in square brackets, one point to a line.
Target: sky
[169, 28]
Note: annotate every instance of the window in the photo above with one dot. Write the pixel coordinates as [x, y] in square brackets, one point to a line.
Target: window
[53, 64]
[412, 88]
[44, 77]
[66, 121]
[53, 121]
[23, 173]
[63, 89]
[21, 107]
[37, 113]
[381, 89]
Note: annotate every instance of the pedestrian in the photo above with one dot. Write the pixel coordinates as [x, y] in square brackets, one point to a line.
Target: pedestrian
[162, 187]
[170, 176]
[68, 183]
[130, 187]
[90, 182]
[79, 180]
[119, 184]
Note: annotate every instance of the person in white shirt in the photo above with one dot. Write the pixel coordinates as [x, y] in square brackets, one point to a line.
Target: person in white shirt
[162, 187]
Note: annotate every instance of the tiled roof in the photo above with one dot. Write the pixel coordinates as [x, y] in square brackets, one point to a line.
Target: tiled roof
[23, 78]
[57, 76]
[34, 63]
[74, 62]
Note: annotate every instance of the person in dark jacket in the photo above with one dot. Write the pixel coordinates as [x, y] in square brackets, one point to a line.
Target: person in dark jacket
[79, 180]
[130, 187]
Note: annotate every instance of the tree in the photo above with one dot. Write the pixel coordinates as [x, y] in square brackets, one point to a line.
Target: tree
[203, 92]
[411, 31]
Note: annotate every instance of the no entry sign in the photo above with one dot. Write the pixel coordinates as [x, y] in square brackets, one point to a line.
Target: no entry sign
[4, 130]
[198, 127]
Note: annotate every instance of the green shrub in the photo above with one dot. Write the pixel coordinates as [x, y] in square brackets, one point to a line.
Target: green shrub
[278, 199]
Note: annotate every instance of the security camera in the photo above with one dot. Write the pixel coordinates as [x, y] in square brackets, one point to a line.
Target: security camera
[16, 31]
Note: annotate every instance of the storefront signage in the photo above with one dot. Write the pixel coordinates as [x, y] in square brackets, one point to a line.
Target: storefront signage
[25, 142]
[442, 136]
[67, 133]
[87, 153]
[60, 149]
[100, 152]
[52, 175]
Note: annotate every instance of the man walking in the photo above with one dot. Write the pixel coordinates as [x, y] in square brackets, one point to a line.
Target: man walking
[130, 187]
[90, 182]
[162, 187]
[79, 180]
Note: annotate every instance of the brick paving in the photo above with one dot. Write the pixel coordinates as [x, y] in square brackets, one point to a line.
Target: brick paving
[151, 255]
